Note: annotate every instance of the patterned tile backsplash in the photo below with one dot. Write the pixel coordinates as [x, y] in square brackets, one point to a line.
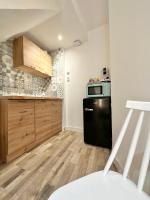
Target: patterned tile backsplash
[13, 82]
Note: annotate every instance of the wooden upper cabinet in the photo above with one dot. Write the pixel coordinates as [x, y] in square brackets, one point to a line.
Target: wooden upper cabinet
[30, 58]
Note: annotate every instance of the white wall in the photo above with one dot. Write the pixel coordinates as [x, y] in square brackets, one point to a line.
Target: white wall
[130, 66]
[83, 63]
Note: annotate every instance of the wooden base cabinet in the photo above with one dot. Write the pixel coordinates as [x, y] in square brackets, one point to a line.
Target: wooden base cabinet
[47, 125]
[20, 126]
[26, 123]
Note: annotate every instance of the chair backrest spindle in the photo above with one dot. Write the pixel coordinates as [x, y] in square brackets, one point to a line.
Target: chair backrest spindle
[141, 106]
[133, 145]
[118, 142]
[144, 166]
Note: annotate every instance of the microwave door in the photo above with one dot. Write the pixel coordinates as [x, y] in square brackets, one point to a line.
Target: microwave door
[95, 90]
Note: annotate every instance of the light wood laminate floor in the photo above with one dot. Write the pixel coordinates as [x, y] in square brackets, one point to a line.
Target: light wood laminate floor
[61, 159]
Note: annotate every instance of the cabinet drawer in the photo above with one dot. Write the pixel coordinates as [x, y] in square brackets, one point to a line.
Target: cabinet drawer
[20, 114]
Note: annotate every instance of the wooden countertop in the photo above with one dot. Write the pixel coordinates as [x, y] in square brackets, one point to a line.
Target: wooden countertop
[28, 98]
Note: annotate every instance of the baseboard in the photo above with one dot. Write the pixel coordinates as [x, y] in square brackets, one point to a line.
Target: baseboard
[118, 165]
[75, 129]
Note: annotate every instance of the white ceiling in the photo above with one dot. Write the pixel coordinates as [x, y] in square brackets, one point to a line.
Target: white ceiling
[14, 22]
[95, 12]
[70, 18]
[65, 23]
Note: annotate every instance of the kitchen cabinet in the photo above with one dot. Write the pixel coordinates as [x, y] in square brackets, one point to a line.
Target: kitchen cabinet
[25, 123]
[56, 121]
[43, 120]
[30, 58]
[48, 119]
[20, 127]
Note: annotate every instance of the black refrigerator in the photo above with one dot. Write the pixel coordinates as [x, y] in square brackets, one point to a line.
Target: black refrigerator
[97, 121]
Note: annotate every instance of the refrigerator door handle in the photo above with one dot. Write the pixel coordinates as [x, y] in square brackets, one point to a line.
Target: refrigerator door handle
[88, 109]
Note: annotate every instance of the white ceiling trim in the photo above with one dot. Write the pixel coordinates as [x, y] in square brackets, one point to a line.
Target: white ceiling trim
[29, 4]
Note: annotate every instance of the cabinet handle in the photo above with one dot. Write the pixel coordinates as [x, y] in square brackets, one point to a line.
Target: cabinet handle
[88, 109]
[24, 111]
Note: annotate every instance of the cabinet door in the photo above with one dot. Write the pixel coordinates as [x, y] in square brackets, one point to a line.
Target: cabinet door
[36, 58]
[42, 120]
[31, 58]
[48, 118]
[56, 120]
[46, 63]
[31, 54]
[20, 125]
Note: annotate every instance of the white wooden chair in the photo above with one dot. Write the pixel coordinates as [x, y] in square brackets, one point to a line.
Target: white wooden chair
[110, 185]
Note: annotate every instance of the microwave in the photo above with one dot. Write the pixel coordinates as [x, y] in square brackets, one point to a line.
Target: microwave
[102, 89]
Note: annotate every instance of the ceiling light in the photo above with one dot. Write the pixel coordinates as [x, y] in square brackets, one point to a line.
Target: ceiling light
[60, 37]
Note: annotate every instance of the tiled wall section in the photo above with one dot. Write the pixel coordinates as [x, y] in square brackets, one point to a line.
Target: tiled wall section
[13, 82]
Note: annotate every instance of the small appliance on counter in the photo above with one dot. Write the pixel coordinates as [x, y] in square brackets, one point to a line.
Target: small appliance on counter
[101, 89]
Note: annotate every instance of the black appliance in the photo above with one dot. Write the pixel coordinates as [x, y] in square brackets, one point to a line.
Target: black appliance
[97, 121]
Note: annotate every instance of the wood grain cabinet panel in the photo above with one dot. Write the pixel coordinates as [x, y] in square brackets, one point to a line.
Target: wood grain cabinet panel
[26, 123]
[30, 58]
[42, 119]
[46, 116]
[56, 120]
[20, 124]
